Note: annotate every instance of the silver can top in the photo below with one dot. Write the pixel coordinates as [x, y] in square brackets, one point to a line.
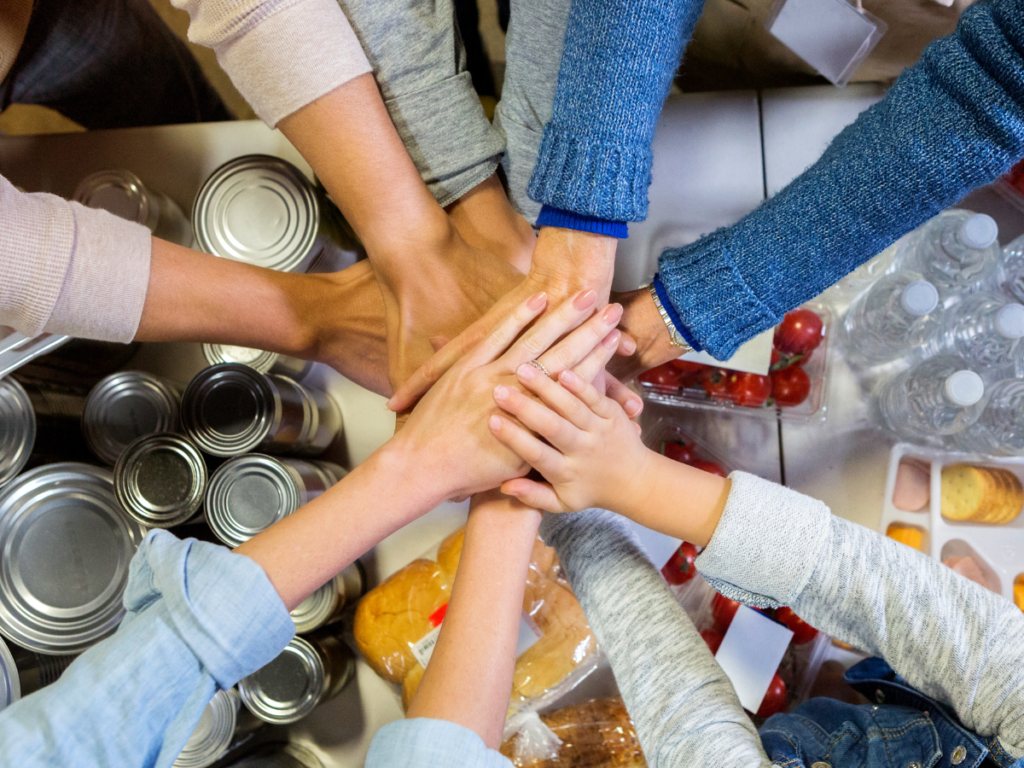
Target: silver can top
[248, 494]
[316, 609]
[17, 429]
[213, 733]
[67, 546]
[125, 406]
[261, 210]
[120, 192]
[329, 471]
[228, 409]
[10, 685]
[160, 480]
[288, 688]
[258, 359]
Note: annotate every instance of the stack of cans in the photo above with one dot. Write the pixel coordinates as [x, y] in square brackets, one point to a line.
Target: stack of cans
[326, 604]
[123, 194]
[17, 429]
[258, 359]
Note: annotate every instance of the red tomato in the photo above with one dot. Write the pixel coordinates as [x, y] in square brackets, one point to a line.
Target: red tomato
[723, 609]
[748, 389]
[687, 366]
[715, 382]
[713, 638]
[664, 378]
[685, 453]
[709, 467]
[782, 360]
[802, 631]
[790, 386]
[775, 699]
[799, 332]
[680, 568]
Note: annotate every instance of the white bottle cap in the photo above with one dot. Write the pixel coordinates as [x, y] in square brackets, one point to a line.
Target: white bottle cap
[920, 297]
[1010, 321]
[965, 388]
[979, 231]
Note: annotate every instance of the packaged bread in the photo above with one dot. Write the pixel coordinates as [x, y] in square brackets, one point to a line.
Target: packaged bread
[980, 494]
[595, 734]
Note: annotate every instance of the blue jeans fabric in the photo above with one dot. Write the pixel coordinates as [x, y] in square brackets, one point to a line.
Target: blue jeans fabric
[903, 728]
[109, 64]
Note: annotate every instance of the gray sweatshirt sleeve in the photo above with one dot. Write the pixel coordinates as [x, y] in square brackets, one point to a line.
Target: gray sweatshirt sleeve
[947, 636]
[684, 707]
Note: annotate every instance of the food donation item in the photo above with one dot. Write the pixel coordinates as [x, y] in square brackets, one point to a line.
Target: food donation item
[221, 728]
[326, 604]
[258, 359]
[126, 406]
[981, 494]
[912, 491]
[123, 194]
[24, 672]
[1018, 591]
[594, 734]
[910, 535]
[160, 480]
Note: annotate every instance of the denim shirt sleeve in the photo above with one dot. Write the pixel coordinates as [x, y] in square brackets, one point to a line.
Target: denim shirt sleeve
[948, 637]
[427, 743]
[951, 123]
[199, 618]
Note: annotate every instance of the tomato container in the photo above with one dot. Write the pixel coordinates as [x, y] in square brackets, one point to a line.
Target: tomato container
[1011, 186]
[803, 375]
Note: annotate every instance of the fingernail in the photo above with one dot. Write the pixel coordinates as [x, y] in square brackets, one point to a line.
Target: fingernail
[568, 377]
[390, 404]
[501, 392]
[612, 313]
[494, 423]
[633, 408]
[628, 345]
[612, 339]
[526, 371]
[584, 300]
[537, 300]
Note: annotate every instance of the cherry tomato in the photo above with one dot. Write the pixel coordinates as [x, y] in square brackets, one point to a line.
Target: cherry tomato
[790, 386]
[688, 366]
[723, 609]
[775, 699]
[680, 568]
[664, 378]
[802, 631]
[713, 638]
[748, 389]
[782, 360]
[715, 382]
[709, 466]
[684, 453]
[799, 332]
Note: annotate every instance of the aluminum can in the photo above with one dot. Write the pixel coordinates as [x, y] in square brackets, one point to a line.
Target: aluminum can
[309, 671]
[278, 756]
[58, 416]
[326, 604]
[67, 546]
[230, 409]
[10, 685]
[258, 359]
[126, 406]
[35, 670]
[17, 430]
[77, 365]
[260, 210]
[160, 480]
[123, 194]
[224, 726]
[250, 493]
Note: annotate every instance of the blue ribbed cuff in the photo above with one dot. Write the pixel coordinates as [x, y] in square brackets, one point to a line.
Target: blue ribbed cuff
[556, 217]
[663, 297]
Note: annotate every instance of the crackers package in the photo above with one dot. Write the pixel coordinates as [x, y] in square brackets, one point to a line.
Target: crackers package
[980, 494]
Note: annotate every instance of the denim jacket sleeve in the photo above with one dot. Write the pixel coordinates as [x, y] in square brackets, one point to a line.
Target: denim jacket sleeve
[198, 618]
[951, 123]
[426, 743]
[948, 637]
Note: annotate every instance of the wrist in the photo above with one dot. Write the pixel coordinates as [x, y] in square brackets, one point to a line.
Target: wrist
[574, 259]
[629, 494]
[642, 320]
[400, 457]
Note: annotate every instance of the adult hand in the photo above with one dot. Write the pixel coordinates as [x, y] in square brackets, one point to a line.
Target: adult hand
[564, 262]
[642, 321]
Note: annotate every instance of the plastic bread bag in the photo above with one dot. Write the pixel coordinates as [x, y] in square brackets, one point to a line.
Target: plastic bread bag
[594, 734]
[398, 622]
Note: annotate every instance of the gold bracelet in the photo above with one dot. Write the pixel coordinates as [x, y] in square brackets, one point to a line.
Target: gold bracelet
[674, 337]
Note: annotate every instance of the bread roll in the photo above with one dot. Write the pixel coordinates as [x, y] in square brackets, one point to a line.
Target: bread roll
[410, 685]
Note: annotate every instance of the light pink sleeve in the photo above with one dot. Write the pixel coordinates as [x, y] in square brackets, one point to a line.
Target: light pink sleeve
[68, 269]
[280, 54]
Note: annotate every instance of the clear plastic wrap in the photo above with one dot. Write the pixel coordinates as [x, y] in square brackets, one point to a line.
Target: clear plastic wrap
[397, 624]
[594, 734]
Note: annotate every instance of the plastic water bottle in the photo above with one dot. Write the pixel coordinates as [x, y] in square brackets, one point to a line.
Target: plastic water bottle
[999, 431]
[897, 316]
[985, 329]
[883, 264]
[957, 252]
[1011, 271]
[940, 396]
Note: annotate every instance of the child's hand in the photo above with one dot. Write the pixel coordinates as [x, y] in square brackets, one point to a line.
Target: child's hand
[595, 457]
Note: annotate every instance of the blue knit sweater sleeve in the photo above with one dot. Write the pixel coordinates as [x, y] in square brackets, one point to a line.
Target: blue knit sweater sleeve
[618, 62]
[951, 123]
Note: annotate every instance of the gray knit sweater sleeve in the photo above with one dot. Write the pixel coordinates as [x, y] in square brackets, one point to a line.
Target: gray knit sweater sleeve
[685, 710]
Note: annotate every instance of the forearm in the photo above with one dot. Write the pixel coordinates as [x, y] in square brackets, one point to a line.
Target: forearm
[951, 123]
[947, 636]
[684, 707]
[469, 678]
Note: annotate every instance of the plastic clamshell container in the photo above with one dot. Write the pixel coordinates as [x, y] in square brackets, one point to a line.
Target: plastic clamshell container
[997, 549]
[667, 430]
[692, 394]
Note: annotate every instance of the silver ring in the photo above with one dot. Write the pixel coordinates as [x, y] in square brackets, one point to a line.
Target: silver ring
[540, 367]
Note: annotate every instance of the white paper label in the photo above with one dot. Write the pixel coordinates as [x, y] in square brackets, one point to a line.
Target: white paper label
[754, 356]
[750, 654]
[424, 648]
